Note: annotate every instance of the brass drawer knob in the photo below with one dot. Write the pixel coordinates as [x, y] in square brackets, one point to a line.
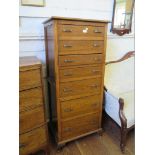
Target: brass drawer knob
[95, 71]
[66, 90]
[68, 110]
[68, 61]
[97, 31]
[67, 30]
[67, 46]
[96, 45]
[68, 129]
[97, 59]
[94, 86]
[68, 74]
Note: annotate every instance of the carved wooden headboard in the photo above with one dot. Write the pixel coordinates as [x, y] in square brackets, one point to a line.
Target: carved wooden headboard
[126, 56]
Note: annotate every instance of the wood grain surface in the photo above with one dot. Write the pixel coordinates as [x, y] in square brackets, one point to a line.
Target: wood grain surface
[95, 145]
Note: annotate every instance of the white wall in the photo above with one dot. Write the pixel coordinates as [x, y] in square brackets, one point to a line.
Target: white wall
[31, 35]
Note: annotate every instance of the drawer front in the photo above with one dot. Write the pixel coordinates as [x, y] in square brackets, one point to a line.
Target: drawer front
[30, 98]
[80, 106]
[78, 72]
[31, 119]
[80, 87]
[71, 60]
[80, 47]
[80, 30]
[78, 126]
[32, 140]
[29, 79]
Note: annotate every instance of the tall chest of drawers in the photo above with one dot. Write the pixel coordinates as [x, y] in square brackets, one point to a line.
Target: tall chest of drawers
[33, 134]
[75, 57]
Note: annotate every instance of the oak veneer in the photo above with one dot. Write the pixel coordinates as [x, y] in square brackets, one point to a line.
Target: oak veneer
[80, 30]
[31, 141]
[31, 118]
[79, 126]
[80, 47]
[29, 79]
[81, 72]
[30, 98]
[79, 87]
[33, 133]
[75, 58]
[68, 60]
[79, 106]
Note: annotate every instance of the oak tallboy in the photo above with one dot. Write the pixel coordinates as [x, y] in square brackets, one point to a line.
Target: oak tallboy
[75, 58]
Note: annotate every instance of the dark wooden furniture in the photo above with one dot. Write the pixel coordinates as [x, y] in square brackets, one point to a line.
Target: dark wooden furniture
[123, 126]
[75, 57]
[33, 133]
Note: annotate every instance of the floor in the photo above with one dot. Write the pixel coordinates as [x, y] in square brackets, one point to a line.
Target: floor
[95, 145]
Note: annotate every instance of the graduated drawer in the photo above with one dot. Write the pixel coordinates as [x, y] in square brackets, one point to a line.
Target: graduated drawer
[79, 72]
[71, 60]
[30, 98]
[79, 126]
[80, 30]
[31, 119]
[29, 79]
[32, 140]
[80, 87]
[80, 106]
[80, 47]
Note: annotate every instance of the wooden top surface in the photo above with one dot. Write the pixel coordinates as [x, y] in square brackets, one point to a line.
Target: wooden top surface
[75, 19]
[29, 62]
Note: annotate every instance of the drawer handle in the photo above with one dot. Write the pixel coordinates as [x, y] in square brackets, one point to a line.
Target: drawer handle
[67, 90]
[67, 46]
[95, 71]
[94, 86]
[97, 59]
[68, 110]
[68, 74]
[67, 30]
[96, 45]
[97, 31]
[68, 61]
[22, 145]
[67, 129]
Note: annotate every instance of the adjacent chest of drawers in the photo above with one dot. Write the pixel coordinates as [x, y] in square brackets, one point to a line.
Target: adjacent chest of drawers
[75, 56]
[33, 134]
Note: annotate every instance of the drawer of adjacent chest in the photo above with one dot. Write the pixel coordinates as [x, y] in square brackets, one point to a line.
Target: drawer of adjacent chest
[80, 87]
[80, 30]
[31, 119]
[80, 47]
[69, 60]
[32, 140]
[79, 72]
[29, 79]
[31, 98]
[78, 126]
[80, 106]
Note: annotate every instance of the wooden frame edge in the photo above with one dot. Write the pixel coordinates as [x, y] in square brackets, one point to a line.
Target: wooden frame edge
[124, 57]
[123, 125]
[121, 31]
[77, 137]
